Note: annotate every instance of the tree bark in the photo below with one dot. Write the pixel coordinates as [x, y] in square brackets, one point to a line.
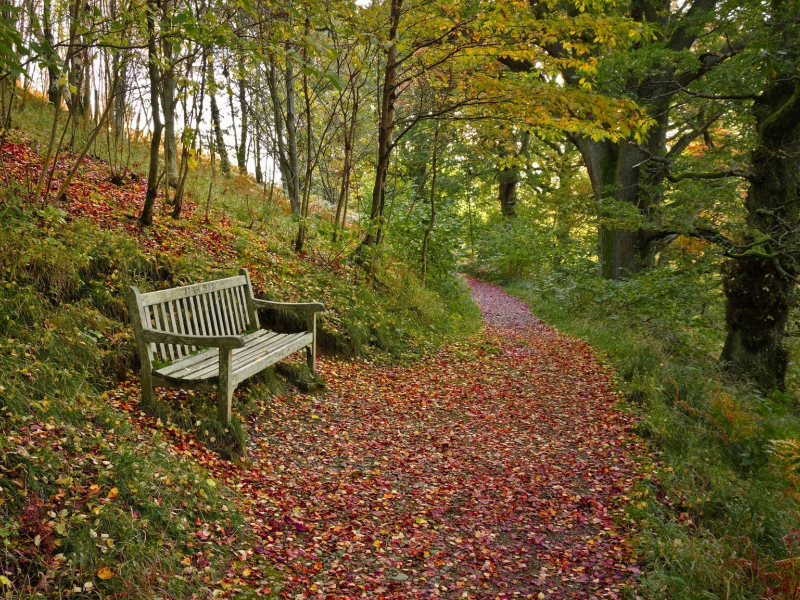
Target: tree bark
[224, 162]
[146, 218]
[52, 72]
[241, 152]
[291, 141]
[259, 171]
[508, 181]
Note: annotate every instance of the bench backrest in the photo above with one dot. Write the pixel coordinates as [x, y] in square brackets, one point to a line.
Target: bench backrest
[220, 307]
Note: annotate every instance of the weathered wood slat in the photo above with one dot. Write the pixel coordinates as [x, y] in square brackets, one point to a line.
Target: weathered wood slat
[211, 354]
[250, 369]
[213, 328]
[150, 318]
[298, 306]
[175, 339]
[221, 312]
[209, 369]
[191, 290]
[199, 317]
[233, 309]
[242, 295]
[188, 317]
[166, 349]
[252, 313]
[238, 293]
[177, 347]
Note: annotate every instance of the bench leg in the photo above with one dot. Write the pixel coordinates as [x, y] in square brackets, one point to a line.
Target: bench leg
[148, 391]
[311, 351]
[225, 389]
[311, 358]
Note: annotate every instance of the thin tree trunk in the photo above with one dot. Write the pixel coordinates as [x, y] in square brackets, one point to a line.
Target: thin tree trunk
[259, 171]
[385, 129]
[75, 61]
[50, 146]
[169, 102]
[429, 228]
[280, 150]
[146, 217]
[188, 152]
[241, 154]
[63, 189]
[291, 141]
[52, 71]
[301, 230]
[224, 163]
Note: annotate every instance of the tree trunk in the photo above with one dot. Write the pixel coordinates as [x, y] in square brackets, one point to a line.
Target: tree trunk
[613, 174]
[301, 230]
[385, 128]
[349, 139]
[429, 228]
[120, 100]
[508, 180]
[75, 61]
[224, 163]
[291, 141]
[280, 154]
[146, 217]
[760, 285]
[169, 102]
[52, 70]
[259, 172]
[241, 153]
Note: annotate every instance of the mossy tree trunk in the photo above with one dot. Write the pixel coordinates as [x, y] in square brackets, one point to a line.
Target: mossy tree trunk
[760, 284]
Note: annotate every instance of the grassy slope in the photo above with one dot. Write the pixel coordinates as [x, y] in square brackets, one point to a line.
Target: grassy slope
[89, 501]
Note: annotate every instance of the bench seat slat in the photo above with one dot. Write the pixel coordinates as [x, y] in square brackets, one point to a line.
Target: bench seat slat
[209, 354]
[205, 365]
[240, 357]
[251, 368]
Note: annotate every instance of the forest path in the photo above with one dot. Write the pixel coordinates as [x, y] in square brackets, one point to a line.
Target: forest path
[495, 468]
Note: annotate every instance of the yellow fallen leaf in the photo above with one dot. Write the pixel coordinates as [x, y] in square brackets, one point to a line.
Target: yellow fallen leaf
[5, 581]
[113, 492]
[105, 573]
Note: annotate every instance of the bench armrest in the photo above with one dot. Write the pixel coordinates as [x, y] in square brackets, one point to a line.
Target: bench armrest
[312, 307]
[203, 341]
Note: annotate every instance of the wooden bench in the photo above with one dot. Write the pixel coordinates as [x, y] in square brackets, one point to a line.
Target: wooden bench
[207, 336]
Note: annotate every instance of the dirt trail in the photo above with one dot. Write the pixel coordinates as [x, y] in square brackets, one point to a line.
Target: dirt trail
[493, 469]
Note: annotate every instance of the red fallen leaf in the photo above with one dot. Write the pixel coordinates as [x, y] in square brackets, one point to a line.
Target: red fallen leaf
[203, 535]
